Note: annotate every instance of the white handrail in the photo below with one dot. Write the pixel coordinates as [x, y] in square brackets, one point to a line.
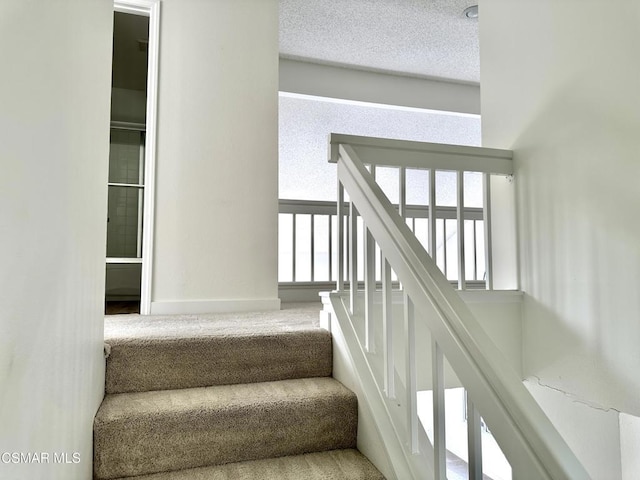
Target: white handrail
[529, 440]
[410, 154]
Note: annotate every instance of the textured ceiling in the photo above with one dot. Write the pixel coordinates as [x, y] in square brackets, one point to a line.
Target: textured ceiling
[427, 38]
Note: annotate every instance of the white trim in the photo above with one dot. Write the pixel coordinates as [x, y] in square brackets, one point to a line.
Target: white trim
[151, 9]
[185, 307]
[491, 296]
[120, 260]
[127, 185]
[310, 291]
[384, 106]
[342, 82]
[150, 155]
[303, 291]
[135, 7]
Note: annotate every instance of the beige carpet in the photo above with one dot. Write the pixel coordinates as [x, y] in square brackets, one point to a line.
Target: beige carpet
[144, 432]
[345, 464]
[233, 397]
[292, 317]
[169, 352]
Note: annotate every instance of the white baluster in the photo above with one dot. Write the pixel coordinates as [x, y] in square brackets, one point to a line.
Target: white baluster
[387, 326]
[313, 248]
[345, 245]
[330, 256]
[439, 434]
[340, 236]
[475, 250]
[433, 241]
[353, 256]
[444, 247]
[486, 212]
[294, 248]
[369, 290]
[462, 284]
[402, 193]
[474, 439]
[410, 373]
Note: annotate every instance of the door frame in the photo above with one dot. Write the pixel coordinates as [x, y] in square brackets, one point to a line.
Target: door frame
[151, 9]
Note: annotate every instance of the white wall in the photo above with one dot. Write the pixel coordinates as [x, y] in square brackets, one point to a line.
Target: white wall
[375, 87]
[54, 140]
[500, 314]
[592, 433]
[559, 86]
[306, 122]
[630, 446]
[216, 190]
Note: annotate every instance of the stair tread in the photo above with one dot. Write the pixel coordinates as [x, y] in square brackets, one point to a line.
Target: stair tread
[145, 432]
[347, 464]
[122, 328]
[121, 406]
[165, 353]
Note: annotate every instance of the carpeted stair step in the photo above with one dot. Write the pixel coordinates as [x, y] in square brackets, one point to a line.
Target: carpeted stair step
[348, 464]
[148, 432]
[166, 353]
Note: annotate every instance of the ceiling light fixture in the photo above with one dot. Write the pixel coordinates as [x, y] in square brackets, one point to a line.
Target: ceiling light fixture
[471, 12]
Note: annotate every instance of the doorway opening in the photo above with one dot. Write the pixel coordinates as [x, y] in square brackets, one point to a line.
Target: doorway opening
[131, 157]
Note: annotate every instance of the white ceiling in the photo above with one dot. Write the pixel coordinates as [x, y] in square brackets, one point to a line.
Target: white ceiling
[425, 38]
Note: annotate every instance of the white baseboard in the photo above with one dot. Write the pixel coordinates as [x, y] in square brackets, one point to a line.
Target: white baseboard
[186, 307]
[303, 291]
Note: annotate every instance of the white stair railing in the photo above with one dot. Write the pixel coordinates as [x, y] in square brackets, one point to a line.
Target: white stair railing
[530, 442]
[307, 241]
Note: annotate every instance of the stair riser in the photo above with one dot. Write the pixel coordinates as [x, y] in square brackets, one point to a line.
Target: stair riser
[331, 465]
[158, 443]
[199, 362]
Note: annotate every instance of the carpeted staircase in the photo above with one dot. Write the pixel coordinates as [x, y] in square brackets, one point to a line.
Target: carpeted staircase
[225, 397]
